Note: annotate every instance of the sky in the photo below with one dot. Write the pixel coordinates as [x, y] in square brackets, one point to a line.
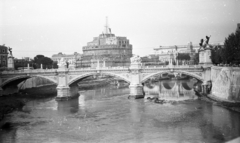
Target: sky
[47, 27]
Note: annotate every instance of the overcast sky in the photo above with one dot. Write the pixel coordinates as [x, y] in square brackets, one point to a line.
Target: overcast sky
[48, 27]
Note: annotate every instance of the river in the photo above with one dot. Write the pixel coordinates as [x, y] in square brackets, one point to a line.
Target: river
[107, 115]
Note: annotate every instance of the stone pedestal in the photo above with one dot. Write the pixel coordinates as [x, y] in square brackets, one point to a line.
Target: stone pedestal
[136, 91]
[205, 56]
[10, 63]
[136, 88]
[201, 57]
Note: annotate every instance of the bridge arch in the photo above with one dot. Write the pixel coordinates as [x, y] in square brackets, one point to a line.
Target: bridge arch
[186, 86]
[169, 85]
[162, 72]
[24, 77]
[102, 73]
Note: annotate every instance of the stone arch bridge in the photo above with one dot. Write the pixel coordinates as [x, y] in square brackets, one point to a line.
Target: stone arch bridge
[135, 75]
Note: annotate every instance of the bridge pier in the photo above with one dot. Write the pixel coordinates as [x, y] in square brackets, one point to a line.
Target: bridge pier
[206, 85]
[136, 91]
[63, 90]
[136, 88]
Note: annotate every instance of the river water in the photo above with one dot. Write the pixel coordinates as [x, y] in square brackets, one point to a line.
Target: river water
[107, 115]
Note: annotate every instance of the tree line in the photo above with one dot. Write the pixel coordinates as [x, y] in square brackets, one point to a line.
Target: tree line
[229, 53]
[36, 62]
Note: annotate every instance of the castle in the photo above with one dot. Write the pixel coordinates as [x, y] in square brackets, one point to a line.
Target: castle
[106, 50]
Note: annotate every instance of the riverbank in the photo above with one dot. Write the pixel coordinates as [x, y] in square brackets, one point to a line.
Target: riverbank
[234, 106]
[8, 105]
[13, 102]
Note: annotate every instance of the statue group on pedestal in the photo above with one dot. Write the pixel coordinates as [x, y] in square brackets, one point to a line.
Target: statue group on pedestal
[135, 59]
[206, 42]
[66, 63]
[10, 51]
[62, 63]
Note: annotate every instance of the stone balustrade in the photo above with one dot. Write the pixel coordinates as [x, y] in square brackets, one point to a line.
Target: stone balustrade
[136, 74]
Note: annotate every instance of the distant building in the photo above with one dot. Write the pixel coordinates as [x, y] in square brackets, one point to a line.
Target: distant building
[23, 59]
[67, 57]
[107, 50]
[164, 51]
[3, 56]
[23, 62]
[151, 60]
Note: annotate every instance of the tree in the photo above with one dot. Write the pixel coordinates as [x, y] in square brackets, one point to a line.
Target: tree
[231, 50]
[216, 55]
[38, 59]
[196, 58]
[45, 61]
[183, 56]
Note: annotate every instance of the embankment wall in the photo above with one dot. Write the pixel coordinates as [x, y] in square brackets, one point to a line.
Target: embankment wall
[226, 83]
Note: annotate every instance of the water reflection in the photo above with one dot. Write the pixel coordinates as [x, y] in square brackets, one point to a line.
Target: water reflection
[137, 120]
[81, 100]
[107, 115]
[68, 107]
